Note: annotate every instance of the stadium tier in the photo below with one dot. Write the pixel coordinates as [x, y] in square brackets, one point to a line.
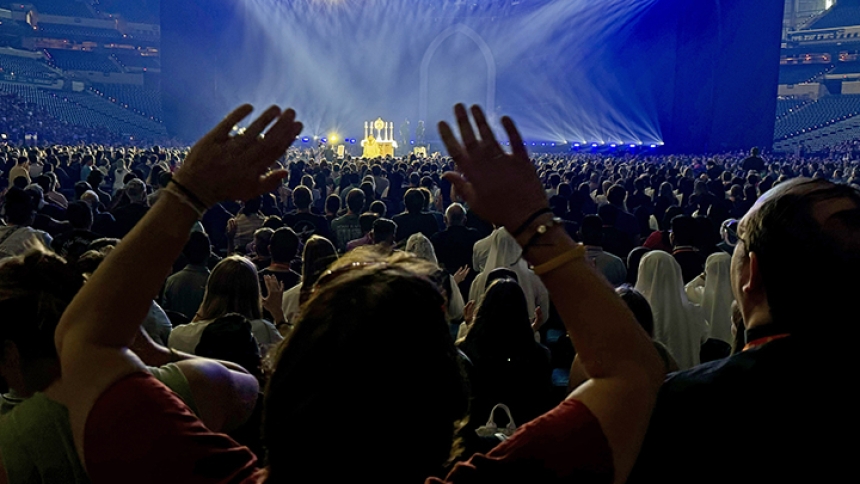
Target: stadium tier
[824, 112]
[86, 109]
[785, 106]
[68, 8]
[838, 16]
[846, 68]
[74, 32]
[23, 67]
[75, 60]
[137, 61]
[143, 11]
[819, 139]
[142, 100]
[798, 74]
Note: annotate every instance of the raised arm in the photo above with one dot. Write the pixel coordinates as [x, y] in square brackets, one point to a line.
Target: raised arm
[101, 322]
[624, 369]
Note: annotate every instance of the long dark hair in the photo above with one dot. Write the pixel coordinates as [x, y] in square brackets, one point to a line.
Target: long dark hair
[342, 371]
[502, 328]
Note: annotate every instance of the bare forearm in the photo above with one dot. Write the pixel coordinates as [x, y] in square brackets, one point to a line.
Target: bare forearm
[109, 308]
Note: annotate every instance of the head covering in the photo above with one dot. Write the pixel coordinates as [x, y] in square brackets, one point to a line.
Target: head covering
[506, 253]
[421, 246]
[678, 323]
[136, 190]
[718, 297]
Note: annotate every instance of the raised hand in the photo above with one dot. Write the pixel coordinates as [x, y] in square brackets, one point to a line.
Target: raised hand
[224, 167]
[461, 274]
[502, 188]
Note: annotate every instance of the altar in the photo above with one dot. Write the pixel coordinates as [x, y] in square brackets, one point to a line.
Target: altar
[378, 139]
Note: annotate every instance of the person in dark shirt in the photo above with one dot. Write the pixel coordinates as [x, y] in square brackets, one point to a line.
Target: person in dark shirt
[795, 248]
[753, 162]
[414, 220]
[128, 215]
[683, 238]
[303, 221]
[283, 247]
[71, 244]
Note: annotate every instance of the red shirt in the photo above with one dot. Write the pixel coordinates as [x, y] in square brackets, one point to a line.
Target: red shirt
[139, 431]
[564, 445]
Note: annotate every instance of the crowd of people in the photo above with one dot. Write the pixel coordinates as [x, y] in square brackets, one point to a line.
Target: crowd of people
[243, 311]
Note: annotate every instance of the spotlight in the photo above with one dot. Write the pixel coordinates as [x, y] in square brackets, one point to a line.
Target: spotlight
[305, 139]
[576, 145]
[613, 145]
[632, 146]
[594, 145]
[653, 146]
[553, 144]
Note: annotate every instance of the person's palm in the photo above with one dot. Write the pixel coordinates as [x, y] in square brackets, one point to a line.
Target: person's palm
[224, 167]
[502, 188]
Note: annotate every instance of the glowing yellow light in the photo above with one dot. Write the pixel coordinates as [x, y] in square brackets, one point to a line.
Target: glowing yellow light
[333, 138]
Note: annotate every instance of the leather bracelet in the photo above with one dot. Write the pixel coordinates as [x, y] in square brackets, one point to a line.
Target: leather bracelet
[529, 221]
[577, 252]
[191, 196]
[540, 232]
[186, 201]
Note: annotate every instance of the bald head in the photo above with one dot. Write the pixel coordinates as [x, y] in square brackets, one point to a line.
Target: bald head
[455, 215]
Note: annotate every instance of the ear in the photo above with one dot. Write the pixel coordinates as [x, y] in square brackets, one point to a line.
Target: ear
[754, 284]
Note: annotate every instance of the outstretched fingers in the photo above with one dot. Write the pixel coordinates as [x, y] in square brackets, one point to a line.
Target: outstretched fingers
[455, 149]
[487, 135]
[466, 131]
[222, 131]
[261, 122]
[517, 145]
[462, 187]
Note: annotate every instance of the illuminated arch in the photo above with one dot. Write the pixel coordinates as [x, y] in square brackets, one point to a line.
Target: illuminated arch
[424, 95]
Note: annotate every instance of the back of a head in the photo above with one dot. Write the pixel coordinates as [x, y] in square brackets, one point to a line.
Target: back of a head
[355, 200]
[366, 221]
[229, 338]
[639, 306]
[384, 230]
[80, 215]
[136, 190]
[502, 327]
[318, 255]
[345, 330]
[233, 287]
[35, 289]
[197, 249]
[332, 204]
[252, 206]
[789, 220]
[592, 230]
[262, 239]
[379, 208]
[684, 230]
[81, 187]
[608, 214]
[616, 195]
[414, 200]
[455, 215]
[660, 278]
[302, 197]
[284, 245]
[19, 207]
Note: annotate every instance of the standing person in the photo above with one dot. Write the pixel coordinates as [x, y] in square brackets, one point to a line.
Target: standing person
[596, 432]
[414, 219]
[713, 291]
[240, 229]
[184, 291]
[678, 323]
[791, 307]
[753, 162]
[347, 227]
[232, 287]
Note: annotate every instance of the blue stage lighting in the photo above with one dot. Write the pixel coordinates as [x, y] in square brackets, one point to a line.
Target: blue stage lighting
[653, 146]
[305, 139]
[632, 146]
[576, 145]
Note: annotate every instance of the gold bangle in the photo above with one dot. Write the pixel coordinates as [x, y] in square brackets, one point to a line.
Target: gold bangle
[577, 252]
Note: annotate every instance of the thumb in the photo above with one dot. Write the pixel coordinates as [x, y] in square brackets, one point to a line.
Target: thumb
[463, 187]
